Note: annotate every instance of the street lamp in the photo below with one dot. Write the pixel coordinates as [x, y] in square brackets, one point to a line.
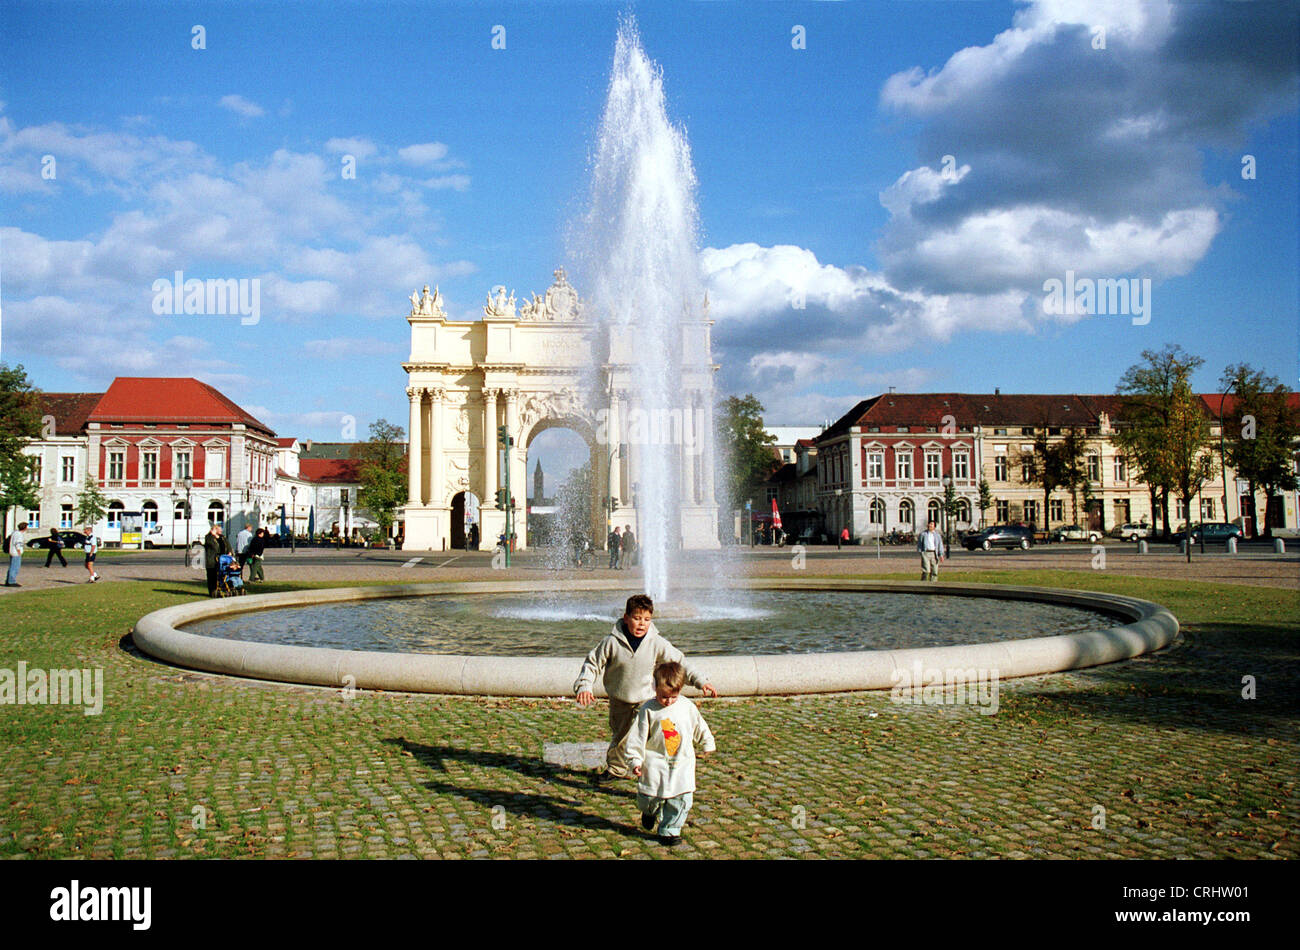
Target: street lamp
[1223, 465]
[948, 498]
[293, 531]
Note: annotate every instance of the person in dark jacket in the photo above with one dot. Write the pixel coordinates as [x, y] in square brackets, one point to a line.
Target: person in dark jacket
[214, 545]
[56, 548]
[256, 548]
[615, 543]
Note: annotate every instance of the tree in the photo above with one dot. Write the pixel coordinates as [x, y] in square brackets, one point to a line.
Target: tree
[1055, 465]
[91, 503]
[950, 509]
[382, 473]
[1141, 432]
[20, 422]
[1074, 470]
[985, 498]
[1259, 434]
[747, 447]
[1191, 463]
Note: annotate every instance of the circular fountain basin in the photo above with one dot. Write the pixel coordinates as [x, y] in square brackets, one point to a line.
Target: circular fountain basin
[1137, 627]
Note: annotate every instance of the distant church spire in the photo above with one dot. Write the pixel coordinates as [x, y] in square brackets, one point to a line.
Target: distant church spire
[537, 484]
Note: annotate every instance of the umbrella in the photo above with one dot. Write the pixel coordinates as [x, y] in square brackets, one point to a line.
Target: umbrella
[283, 528]
[776, 516]
[311, 522]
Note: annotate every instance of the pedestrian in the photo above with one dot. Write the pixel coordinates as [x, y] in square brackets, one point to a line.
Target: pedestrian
[55, 545]
[256, 549]
[90, 547]
[241, 546]
[930, 544]
[661, 754]
[626, 660]
[214, 545]
[14, 548]
[615, 548]
[628, 555]
[844, 537]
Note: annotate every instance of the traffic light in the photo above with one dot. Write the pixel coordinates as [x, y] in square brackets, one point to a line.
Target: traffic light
[502, 498]
[503, 440]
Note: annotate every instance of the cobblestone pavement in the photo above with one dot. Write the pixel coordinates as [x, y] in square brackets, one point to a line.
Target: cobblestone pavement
[1256, 565]
[1159, 757]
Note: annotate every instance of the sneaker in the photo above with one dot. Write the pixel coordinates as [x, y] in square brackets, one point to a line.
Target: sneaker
[647, 821]
[670, 841]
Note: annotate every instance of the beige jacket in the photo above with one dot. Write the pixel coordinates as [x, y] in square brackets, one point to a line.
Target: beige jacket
[629, 676]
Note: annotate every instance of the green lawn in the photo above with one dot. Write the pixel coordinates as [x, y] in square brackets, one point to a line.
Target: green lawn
[1179, 762]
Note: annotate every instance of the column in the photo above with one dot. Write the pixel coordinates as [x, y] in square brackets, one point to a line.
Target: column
[707, 446]
[614, 439]
[436, 487]
[517, 487]
[414, 448]
[687, 469]
[489, 448]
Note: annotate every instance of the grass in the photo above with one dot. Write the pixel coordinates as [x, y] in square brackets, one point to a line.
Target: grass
[1184, 766]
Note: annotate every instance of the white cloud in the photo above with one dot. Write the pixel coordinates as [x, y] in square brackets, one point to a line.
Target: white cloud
[359, 148]
[424, 154]
[242, 107]
[346, 348]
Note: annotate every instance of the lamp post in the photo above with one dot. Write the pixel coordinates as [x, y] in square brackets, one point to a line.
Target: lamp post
[1223, 462]
[293, 531]
[948, 501]
[189, 486]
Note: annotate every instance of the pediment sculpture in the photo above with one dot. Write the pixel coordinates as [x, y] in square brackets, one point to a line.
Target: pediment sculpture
[427, 305]
[498, 305]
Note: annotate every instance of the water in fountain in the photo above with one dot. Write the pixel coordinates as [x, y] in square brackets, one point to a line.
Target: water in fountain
[638, 252]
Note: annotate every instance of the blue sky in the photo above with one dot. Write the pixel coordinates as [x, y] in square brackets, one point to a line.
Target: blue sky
[821, 174]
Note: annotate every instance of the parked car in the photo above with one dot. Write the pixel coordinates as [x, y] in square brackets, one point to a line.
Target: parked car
[1000, 536]
[1074, 532]
[70, 539]
[1213, 531]
[1131, 531]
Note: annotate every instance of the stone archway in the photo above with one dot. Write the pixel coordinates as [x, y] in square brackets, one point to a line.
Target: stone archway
[527, 368]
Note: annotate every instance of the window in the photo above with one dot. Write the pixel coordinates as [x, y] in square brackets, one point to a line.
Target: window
[214, 466]
[963, 510]
[115, 510]
[932, 512]
[1056, 509]
[183, 470]
[150, 512]
[1002, 511]
[33, 519]
[149, 467]
[1207, 509]
[903, 461]
[875, 466]
[932, 466]
[907, 513]
[877, 511]
[37, 469]
[116, 465]
[999, 431]
[1028, 430]
[68, 470]
[1094, 468]
[1031, 512]
[1121, 469]
[961, 467]
[216, 513]
[1054, 430]
[1180, 509]
[1027, 470]
[178, 512]
[65, 516]
[1000, 469]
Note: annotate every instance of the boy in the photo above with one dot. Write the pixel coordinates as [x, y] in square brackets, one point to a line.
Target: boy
[91, 547]
[627, 659]
[661, 752]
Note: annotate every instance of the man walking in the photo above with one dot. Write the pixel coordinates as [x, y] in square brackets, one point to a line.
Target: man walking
[241, 545]
[214, 545]
[15, 551]
[930, 544]
[628, 548]
[615, 546]
[55, 545]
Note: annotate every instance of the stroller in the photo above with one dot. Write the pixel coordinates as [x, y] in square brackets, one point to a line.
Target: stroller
[230, 577]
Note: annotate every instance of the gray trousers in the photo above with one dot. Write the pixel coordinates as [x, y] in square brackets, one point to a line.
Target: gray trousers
[929, 565]
[621, 717]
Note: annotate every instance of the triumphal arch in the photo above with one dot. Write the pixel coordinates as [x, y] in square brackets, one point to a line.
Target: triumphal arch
[548, 363]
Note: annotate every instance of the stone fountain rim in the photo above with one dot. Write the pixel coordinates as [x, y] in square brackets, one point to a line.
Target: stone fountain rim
[1149, 627]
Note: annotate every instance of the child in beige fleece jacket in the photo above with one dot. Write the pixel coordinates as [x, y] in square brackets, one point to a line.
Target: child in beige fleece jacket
[627, 658]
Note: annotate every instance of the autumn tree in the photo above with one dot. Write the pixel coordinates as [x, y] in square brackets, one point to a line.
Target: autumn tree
[20, 422]
[1260, 429]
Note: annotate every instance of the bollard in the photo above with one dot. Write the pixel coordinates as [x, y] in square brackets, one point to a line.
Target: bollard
[1232, 545]
[1182, 546]
[1279, 546]
[1142, 546]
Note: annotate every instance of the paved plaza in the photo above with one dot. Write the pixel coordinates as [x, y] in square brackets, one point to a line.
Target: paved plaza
[1159, 757]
